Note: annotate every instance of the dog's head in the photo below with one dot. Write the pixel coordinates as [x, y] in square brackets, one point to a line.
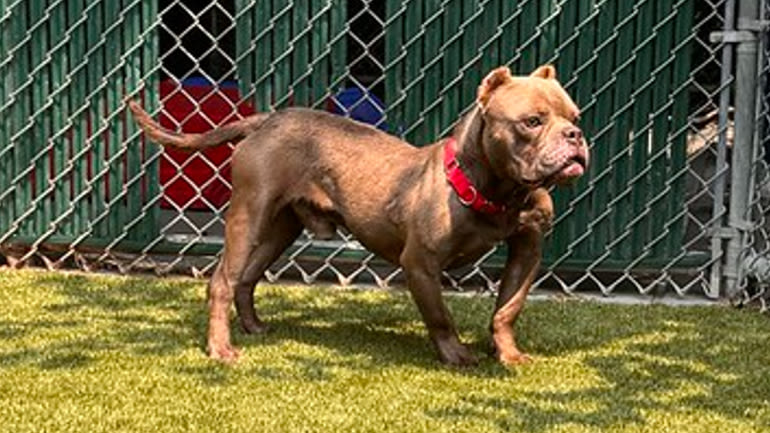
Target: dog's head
[530, 133]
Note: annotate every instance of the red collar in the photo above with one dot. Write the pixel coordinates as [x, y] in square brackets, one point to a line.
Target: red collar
[468, 195]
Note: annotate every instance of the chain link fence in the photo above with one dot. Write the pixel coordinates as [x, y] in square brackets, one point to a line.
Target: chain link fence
[79, 185]
[754, 274]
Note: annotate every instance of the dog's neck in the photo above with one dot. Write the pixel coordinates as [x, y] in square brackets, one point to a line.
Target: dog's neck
[480, 170]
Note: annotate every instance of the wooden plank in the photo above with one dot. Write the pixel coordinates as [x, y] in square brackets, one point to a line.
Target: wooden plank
[95, 100]
[682, 66]
[394, 66]
[601, 212]
[20, 115]
[263, 55]
[470, 63]
[451, 78]
[319, 55]
[339, 46]
[642, 95]
[432, 78]
[7, 170]
[78, 117]
[660, 159]
[301, 63]
[283, 52]
[40, 116]
[527, 47]
[546, 43]
[150, 151]
[582, 92]
[490, 40]
[510, 14]
[113, 92]
[62, 200]
[131, 28]
[618, 136]
[244, 51]
[414, 41]
[557, 243]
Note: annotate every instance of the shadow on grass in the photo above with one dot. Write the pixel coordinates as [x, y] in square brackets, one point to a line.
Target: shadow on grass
[89, 316]
[385, 331]
[701, 362]
[704, 361]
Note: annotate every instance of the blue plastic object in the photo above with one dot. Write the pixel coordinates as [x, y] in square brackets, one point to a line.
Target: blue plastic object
[360, 105]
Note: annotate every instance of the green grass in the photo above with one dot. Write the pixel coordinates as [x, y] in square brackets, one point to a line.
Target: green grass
[100, 353]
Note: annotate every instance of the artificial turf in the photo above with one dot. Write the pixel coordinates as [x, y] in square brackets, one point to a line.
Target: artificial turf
[86, 353]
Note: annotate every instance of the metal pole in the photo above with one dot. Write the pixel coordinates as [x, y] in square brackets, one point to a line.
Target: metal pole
[719, 210]
[743, 146]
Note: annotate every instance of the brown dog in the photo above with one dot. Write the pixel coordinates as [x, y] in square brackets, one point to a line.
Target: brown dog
[426, 209]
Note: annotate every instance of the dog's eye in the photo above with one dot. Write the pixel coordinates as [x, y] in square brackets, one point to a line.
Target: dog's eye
[533, 122]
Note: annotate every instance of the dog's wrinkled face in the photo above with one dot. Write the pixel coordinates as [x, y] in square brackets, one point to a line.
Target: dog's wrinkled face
[530, 128]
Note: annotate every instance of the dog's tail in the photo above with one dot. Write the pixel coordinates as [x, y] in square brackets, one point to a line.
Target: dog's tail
[231, 132]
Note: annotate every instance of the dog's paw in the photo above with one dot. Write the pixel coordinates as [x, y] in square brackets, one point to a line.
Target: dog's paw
[224, 353]
[255, 327]
[457, 355]
[538, 220]
[514, 358]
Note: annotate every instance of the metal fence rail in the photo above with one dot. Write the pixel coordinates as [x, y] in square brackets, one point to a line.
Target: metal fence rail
[80, 186]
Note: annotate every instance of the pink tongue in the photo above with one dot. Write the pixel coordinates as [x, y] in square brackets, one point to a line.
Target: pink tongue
[572, 170]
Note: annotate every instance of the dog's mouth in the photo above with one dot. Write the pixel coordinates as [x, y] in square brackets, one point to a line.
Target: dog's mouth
[574, 167]
[564, 168]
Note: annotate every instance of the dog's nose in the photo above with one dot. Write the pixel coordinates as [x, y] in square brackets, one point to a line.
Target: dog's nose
[573, 133]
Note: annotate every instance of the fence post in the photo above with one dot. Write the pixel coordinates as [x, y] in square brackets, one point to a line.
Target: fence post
[746, 39]
[719, 211]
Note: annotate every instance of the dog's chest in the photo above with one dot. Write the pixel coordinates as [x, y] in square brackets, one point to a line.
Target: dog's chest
[468, 254]
[476, 240]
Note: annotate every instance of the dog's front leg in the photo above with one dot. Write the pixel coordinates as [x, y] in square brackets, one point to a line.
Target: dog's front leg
[423, 275]
[524, 256]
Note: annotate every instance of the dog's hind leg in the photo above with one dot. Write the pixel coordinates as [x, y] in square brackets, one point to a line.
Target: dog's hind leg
[220, 297]
[270, 243]
[252, 243]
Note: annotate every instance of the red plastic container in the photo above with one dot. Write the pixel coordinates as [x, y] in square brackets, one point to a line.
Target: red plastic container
[198, 106]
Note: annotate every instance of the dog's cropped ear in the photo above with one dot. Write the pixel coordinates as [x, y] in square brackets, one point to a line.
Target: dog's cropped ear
[545, 71]
[492, 81]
